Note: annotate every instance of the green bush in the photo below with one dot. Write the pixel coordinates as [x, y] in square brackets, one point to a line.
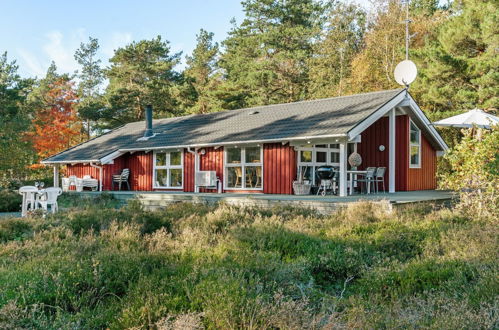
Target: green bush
[10, 201]
[223, 267]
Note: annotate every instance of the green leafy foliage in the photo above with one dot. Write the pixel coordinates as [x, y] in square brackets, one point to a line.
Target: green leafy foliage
[197, 266]
[474, 171]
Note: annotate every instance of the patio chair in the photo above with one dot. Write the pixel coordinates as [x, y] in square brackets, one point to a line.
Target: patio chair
[367, 179]
[66, 182]
[122, 178]
[379, 177]
[239, 176]
[49, 198]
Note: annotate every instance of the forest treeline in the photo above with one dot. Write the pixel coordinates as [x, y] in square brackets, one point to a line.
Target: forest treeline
[282, 51]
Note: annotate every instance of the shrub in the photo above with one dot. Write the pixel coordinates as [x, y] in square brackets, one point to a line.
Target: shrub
[10, 201]
[475, 173]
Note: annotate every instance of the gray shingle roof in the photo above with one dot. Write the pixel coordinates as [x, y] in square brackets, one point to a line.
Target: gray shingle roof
[321, 117]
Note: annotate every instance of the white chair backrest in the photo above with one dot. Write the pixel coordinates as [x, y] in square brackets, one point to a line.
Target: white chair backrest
[370, 172]
[52, 193]
[87, 177]
[125, 173]
[380, 172]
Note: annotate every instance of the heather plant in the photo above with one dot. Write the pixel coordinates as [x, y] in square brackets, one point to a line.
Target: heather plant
[224, 267]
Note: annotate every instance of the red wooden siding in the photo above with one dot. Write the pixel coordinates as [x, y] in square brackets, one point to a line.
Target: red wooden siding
[279, 168]
[140, 165]
[111, 169]
[188, 171]
[424, 178]
[212, 160]
[402, 153]
[375, 135]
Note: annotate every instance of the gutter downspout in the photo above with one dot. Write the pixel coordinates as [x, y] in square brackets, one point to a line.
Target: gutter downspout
[196, 166]
[100, 174]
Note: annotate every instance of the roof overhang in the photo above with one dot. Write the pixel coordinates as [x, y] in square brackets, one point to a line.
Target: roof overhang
[403, 99]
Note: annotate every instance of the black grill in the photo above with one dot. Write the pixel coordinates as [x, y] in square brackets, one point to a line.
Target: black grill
[325, 172]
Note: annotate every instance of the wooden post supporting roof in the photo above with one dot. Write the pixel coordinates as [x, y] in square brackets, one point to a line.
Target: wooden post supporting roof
[391, 150]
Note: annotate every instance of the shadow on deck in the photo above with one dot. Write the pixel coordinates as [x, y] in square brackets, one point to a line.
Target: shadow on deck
[327, 204]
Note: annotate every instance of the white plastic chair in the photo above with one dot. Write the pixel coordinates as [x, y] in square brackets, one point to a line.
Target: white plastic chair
[29, 199]
[50, 198]
[65, 184]
[79, 185]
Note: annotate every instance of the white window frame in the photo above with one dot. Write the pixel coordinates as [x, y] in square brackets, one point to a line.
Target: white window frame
[411, 144]
[167, 167]
[243, 165]
[313, 164]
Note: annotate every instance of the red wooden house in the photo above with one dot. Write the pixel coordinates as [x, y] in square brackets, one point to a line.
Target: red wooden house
[262, 149]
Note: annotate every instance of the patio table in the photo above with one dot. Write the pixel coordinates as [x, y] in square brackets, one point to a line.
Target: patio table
[351, 173]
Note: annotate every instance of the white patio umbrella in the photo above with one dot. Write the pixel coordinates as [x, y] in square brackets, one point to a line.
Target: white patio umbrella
[475, 117]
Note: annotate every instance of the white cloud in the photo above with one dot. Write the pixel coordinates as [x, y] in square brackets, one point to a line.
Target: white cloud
[61, 52]
[118, 39]
[32, 64]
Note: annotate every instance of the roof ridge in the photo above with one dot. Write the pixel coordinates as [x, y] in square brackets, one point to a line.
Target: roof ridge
[273, 105]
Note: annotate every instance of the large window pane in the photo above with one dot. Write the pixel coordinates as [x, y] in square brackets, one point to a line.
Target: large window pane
[176, 177]
[415, 155]
[335, 157]
[414, 134]
[161, 178]
[176, 158]
[161, 159]
[253, 155]
[233, 155]
[320, 157]
[306, 173]
[234, 177]
[253, 176]
[306, 156]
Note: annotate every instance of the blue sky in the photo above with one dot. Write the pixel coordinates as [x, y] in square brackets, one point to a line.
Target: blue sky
[36, 32]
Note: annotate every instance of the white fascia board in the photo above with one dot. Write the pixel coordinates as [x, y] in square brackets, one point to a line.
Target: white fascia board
[76, 161]
[201, 145]
[110, 157]
[422, 117]
[362, 126]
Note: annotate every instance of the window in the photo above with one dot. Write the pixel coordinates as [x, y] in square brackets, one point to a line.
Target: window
[168, 169]
[312, 157]
[414, 146]
[243, 168]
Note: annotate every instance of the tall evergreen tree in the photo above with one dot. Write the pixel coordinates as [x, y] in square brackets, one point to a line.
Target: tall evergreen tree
[266, 55]
[91, 78]
[340, 41]
[16, 153]
[459, 68]
[141, 73]
[200, 78]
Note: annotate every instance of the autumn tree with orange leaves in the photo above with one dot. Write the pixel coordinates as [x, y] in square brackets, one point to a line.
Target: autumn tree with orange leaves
[56, 125]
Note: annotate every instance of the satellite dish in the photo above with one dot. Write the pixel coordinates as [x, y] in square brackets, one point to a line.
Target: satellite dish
[405, 72]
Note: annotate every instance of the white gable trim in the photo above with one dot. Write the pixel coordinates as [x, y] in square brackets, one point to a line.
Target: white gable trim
[363, 125]
[421, 116]
[404, 99]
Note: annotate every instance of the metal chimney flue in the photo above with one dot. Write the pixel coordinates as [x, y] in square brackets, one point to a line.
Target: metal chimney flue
[148, 132]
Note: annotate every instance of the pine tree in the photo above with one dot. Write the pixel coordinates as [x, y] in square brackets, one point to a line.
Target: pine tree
[340, 41]
[141, 73]
[459, 68]
[200, 78]
[91, 77]
[266, 55]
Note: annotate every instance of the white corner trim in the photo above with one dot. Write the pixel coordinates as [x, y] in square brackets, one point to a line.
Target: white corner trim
[108, 159]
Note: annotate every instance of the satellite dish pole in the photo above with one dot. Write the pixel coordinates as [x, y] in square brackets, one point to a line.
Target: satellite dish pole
[406, 71]
[407, 36]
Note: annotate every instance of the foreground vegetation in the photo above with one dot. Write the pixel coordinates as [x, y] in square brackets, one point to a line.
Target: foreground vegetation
[224, 267]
